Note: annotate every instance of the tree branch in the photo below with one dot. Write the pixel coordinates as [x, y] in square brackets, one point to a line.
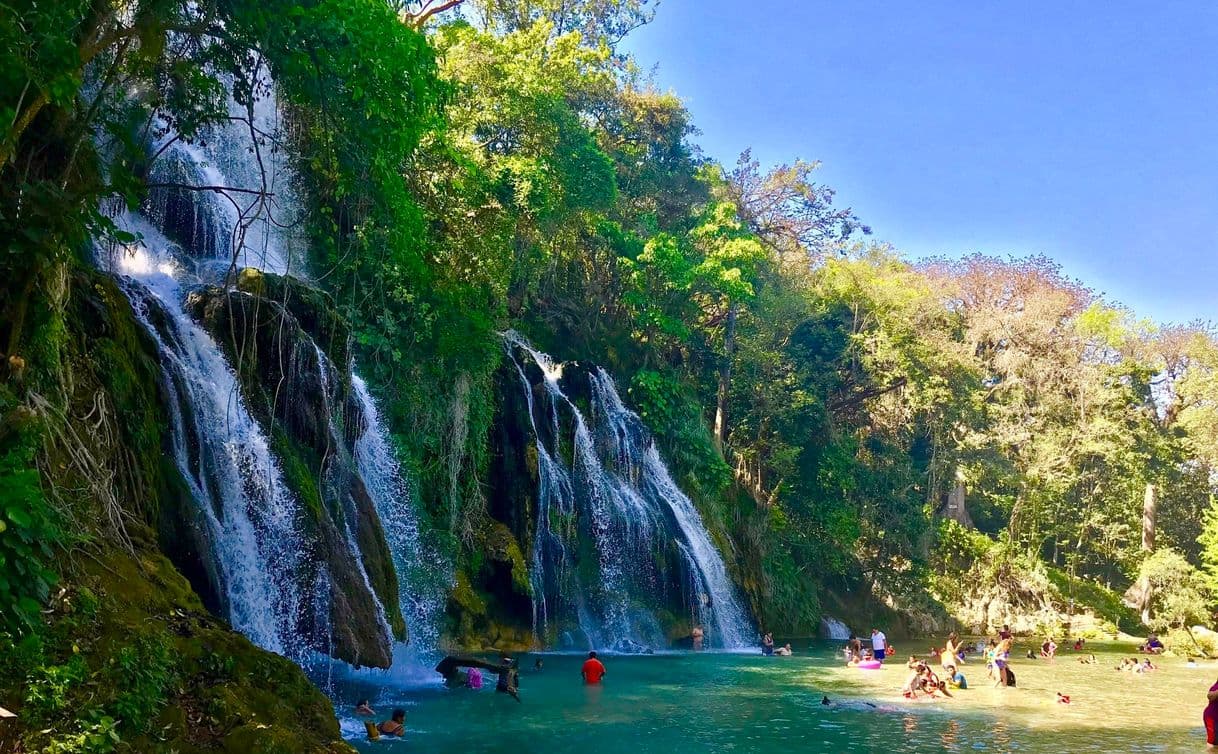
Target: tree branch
[217, 189]
[420, 19]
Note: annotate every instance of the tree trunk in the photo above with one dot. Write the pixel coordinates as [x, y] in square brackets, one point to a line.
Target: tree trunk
[1149, 506]
[955, 508]
[725, 377]
[1141, 591]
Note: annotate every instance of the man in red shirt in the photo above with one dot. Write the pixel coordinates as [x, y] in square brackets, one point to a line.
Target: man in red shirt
[594, 669]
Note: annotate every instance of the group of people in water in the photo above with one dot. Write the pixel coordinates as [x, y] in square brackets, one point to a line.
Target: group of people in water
[939, 673]
[769, 650]
[467, 673]
[935, 676]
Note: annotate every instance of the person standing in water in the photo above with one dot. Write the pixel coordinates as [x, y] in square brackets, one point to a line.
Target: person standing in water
[879, 644]
[696, 635]
[952, 652]
[767, 645]
[1002, 656]
[1210, 717]
[509, 678]
[593, 670]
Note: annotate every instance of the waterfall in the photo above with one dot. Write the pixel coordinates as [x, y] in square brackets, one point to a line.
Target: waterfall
[638, 457]
[256, 554]
[602, 485]
[326, 377]
[834, 629]
[423, 577]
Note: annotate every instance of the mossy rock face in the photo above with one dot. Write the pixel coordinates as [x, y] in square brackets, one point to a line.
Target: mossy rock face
[201, 688]
[503, 551]
[313, 309]
[269, 331]
[473, 627]
[126, 640]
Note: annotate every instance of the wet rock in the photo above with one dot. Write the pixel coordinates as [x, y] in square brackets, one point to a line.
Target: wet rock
[299, 390]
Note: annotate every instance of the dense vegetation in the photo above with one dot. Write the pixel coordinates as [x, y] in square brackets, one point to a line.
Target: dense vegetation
[984, 437]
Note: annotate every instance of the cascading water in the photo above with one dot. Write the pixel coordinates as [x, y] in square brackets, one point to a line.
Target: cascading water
[337, 446]
[277, 579]
[834, 629]
[256, 555]
[608, 514]
[423, 578]
[638, 459]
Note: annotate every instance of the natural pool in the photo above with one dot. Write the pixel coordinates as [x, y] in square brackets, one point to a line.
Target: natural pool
[682, 702]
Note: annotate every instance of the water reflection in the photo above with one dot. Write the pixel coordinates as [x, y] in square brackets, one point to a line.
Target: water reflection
[950, 736]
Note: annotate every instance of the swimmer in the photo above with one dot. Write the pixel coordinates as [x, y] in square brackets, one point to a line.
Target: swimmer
[593, 670]
[1062, 698]
[955, 678]
[394, 726]
[509, 678]
[363, 709]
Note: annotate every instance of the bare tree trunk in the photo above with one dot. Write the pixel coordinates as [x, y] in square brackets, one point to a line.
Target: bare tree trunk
[1141, 590]
[725, 377]
[1149, 506]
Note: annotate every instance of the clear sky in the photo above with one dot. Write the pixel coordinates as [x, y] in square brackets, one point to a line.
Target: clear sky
[1087, 131]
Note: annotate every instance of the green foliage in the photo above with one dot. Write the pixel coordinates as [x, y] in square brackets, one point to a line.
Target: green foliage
[521, 172]
[28, 530]
[1105, 603]
[672, 412]
[1179, 596]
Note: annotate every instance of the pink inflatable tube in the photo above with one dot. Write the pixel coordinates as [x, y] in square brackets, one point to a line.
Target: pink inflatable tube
[870, 665]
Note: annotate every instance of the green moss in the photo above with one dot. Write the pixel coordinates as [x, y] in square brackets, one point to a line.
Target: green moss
[313, 309]
[127, 649]
[1105, 603]
[501, 547]
[465, 597]
[130, 642]
[301, 475]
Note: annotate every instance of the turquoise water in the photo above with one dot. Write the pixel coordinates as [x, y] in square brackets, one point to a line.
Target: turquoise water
[676, 703]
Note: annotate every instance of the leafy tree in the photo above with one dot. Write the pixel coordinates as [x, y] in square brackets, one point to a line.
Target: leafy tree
[1179, 596]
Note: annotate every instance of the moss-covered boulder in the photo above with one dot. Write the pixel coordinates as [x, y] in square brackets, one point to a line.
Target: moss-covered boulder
[127, 655]
[127, 639]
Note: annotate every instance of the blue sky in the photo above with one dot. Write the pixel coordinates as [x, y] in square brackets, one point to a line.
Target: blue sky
[1087, 131]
